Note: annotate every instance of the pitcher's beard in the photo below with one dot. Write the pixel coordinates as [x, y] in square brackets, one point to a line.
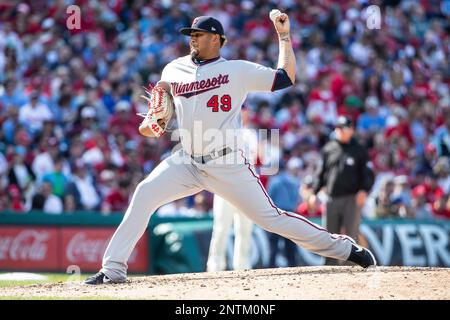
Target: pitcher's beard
[194, 53]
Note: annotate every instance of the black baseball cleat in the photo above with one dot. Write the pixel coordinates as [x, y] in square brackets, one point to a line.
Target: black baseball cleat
[362, 256]
[100, 278]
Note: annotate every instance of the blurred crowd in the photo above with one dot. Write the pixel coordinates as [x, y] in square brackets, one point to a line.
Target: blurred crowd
[69, 98]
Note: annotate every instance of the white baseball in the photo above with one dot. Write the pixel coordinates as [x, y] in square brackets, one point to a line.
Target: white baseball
[274, 13]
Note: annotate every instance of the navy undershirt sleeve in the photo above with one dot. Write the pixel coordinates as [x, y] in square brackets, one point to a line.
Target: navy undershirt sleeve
[281, 80]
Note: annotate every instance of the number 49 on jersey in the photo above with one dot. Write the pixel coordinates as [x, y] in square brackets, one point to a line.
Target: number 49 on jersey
[224, 104]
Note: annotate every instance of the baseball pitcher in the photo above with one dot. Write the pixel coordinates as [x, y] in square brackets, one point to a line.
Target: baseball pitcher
[207, 92]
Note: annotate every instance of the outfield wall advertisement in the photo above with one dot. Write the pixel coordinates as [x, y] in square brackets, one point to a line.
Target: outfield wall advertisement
[37, 242]
[409, 244]
[402, 244]
[394, 243]
[56, 248]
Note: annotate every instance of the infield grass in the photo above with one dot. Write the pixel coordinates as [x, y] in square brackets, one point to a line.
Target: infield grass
[51, 278]
[58, 298]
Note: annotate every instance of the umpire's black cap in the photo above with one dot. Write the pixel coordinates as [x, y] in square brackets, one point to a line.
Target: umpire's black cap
[206, 24]
[344, 122]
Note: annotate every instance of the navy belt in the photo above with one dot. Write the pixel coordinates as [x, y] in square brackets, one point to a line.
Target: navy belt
[212, 156]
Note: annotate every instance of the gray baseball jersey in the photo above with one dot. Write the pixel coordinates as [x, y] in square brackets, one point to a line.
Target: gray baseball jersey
[208, 98]
[210, 95]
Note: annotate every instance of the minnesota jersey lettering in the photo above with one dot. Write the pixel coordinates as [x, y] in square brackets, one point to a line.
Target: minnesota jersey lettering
[188, 90]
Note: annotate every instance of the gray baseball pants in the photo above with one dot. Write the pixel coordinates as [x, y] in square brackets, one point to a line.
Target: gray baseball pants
[179, 176]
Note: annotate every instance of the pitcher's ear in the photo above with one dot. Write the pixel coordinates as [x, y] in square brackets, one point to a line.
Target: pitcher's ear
[223, 41]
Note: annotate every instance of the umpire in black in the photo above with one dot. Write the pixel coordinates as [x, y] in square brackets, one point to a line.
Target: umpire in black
[347, 180]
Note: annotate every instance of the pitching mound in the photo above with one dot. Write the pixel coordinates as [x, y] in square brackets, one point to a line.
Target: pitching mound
[283, 283]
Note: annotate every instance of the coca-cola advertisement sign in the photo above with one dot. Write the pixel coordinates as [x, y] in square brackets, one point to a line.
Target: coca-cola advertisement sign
[85, 247]
[24, 248]
[57, 248]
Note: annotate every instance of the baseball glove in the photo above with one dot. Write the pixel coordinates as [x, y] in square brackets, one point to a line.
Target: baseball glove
[160, 110]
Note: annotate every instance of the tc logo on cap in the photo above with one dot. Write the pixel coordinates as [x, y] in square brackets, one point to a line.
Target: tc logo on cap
[204, 23]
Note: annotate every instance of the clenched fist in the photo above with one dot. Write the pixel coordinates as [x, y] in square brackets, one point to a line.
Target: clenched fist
[280, 21]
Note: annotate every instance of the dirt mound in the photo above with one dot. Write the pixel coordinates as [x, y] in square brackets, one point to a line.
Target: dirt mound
[282, 283]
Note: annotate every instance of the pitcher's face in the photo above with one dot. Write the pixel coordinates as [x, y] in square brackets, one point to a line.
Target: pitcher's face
[201, 44]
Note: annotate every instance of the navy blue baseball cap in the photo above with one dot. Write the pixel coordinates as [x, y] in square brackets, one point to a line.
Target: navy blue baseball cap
[206, 24]
[344, 122]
